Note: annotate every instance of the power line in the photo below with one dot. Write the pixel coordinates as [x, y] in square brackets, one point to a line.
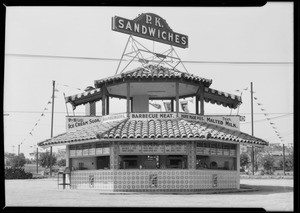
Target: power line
[84, 112]
[116, 59]
[269, 118]
[39, 112]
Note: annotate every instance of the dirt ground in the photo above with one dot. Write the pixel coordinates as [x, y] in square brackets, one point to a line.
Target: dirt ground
[273, 195]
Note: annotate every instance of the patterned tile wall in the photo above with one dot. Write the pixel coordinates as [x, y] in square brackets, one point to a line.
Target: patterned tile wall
[154, 180]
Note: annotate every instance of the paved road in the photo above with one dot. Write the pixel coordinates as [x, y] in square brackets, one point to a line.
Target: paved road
[273, 195]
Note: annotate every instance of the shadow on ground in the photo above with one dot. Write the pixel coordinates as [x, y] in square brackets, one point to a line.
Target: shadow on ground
[266, 190]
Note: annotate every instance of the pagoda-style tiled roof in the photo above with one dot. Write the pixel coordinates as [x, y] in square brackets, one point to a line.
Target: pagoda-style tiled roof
[153, 72]
[153, 129]
[81, 134]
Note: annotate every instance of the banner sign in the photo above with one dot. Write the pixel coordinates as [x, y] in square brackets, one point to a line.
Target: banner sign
[227, 121]
[150, 26]
[74, 122]
[150, 116]
[153, 148]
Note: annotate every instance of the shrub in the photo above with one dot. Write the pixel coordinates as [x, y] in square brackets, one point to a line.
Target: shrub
[17, 173]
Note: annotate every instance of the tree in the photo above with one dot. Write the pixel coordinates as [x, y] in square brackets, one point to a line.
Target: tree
[8, 157]
[61, 162]
[28, 161]
[244, 159]
[18, 161]
[44, 159]
[268, 162]
[289, 162]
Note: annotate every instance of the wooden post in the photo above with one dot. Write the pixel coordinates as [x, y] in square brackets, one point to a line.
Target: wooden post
[283, 150]
[238, 165]
[107, 105]
[53, 93]
[128, 99]
[37, 160]
[172, 105]
[252, 128]
[201, 92]
[197, 105]
[103, 100]
[177, 98]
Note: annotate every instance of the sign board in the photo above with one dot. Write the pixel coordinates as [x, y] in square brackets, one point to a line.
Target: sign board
[75, 122]
[150, 26]
[228, 121]
[149, 116]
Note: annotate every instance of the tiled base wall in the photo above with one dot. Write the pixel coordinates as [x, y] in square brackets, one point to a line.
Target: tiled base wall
[154, 180]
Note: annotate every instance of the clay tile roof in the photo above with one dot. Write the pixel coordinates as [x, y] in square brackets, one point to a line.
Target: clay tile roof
[179, 128]
[155, 72]
[172, 128]
[81, 134]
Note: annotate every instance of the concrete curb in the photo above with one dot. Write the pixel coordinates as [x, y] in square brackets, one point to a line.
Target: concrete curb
[244, 188]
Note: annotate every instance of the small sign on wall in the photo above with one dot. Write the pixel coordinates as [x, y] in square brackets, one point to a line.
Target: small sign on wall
[214, 180]
[153, 180]
[91, 181]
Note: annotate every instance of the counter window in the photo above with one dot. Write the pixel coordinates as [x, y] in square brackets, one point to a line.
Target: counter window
[215, 162]
[152, 162]
[103, 162]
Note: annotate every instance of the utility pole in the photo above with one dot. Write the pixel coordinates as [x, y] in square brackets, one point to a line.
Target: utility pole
[283, 150]
[252, 127]
[37, 160]
[52, 126]
[18, 149]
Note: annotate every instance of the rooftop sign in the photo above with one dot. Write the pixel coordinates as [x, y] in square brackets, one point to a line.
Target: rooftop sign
[150, 26]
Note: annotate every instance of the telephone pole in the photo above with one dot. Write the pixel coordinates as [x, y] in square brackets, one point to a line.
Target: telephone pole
[52, 126]
[252, 128]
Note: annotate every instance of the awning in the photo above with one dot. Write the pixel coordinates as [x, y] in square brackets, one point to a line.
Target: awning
[85, 97]
[221, 98]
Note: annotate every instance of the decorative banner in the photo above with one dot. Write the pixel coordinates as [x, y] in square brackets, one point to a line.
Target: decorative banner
[150, 26]
[167, 106]
[184, 106]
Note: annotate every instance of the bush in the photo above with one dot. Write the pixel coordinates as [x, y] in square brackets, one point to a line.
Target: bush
[17, 173]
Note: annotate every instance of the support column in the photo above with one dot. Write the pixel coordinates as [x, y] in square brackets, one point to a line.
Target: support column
[107, 105]
[201, 100]
[177, 98]
[128, 99]
[172, 105]
[191, 155]
[68, 156]
[197, 105]
[103, 100]
[238, 166]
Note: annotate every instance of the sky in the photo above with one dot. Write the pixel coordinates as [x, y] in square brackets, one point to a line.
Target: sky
[231, 34]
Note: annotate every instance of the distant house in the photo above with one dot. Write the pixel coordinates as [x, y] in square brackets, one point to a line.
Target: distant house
[32, 155]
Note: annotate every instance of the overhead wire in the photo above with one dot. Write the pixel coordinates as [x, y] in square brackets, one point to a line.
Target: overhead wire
[116, 59]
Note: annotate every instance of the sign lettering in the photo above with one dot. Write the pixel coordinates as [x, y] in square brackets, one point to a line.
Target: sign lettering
[150, 26]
